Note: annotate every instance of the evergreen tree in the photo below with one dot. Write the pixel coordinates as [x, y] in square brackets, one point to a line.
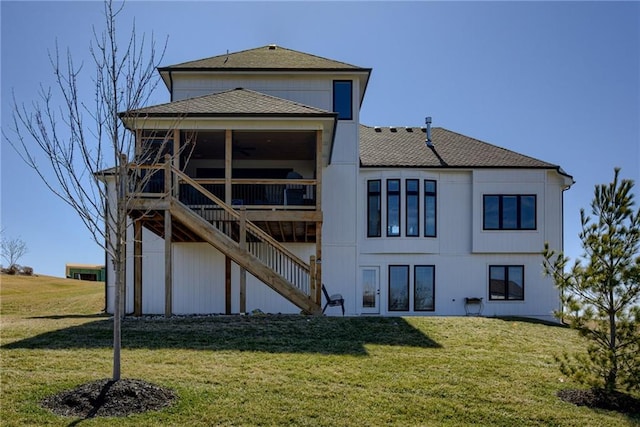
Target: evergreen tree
[600, 297]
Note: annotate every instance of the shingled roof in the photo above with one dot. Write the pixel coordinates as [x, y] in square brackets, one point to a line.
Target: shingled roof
[406, 147]
[265, 58]
[235, 102]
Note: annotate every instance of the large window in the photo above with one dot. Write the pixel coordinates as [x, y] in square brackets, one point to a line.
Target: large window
[509, 212]
[398, 288]
[393, 207]
[506, 282]
[413, 208]
[424, 290]
[429, 208]
[343, 99]
[374, 223]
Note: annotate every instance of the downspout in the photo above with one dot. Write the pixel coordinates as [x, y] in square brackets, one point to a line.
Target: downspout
[566, 187]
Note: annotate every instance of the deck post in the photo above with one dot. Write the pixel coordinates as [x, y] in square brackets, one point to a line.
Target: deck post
[318, 170]
[176, 158]
[228, 166]
[168, 285]
[312, 277]
[137, 267]
[318, 269]
[167, 176]
[243, 272]
[227, 285]
[168, 231]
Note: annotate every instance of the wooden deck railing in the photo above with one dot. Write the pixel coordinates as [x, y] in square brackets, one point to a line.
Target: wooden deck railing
[298, 194]
[204, 201]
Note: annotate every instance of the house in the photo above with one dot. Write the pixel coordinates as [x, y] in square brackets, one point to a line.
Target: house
[264, 185]
[92, 272]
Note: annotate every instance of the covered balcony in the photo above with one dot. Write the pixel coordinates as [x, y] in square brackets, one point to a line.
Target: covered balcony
[273, 175]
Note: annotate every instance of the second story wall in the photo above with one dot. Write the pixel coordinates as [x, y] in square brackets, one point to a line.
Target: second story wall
[315, 90]
[465, 202]
[514, 211]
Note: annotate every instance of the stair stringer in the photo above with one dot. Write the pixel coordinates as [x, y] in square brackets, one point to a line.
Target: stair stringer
[242, 257]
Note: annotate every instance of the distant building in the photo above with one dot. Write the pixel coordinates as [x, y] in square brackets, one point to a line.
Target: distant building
[94, 273]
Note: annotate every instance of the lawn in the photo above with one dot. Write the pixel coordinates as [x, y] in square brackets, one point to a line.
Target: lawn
[286, 370]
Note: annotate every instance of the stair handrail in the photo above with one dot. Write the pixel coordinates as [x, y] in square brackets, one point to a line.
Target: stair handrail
[257, 231]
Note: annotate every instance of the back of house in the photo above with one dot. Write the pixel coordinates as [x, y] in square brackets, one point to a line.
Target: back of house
[266, 186]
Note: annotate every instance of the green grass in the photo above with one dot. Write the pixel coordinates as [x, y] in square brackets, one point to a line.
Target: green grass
[286, 370]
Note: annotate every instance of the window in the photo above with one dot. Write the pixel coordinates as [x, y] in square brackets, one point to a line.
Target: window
[424, 289]
[393, 207]
[429, 208]
[398, 288]
[374, 224]
[509, 212]
[413, 209]
[343, 99]
[506, 282]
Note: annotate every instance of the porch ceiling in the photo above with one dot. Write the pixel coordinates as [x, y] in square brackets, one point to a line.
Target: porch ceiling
[256, 145]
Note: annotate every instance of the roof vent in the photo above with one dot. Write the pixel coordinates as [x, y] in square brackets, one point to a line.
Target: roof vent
[408, 129]
[392, 129]
[377, 129]
[272, 47]
[428, 123]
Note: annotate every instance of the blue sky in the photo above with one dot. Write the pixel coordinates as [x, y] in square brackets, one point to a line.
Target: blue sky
[559, 81]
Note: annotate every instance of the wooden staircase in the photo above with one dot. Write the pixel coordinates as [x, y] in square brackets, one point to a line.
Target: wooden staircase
[229, 231]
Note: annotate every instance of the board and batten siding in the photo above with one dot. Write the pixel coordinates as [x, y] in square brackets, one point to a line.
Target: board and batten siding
[462, 252]
[315, 91]
[461, 276]
[498, 181]
[199, 280]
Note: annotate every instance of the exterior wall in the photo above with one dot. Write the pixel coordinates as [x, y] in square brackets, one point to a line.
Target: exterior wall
[510, 182]
[77, 272]
[199, 280]
[309, 90]
[462, 252]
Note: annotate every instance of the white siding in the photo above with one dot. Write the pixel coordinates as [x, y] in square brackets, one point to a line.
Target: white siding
[198, 279]
[462, 252]
[508, 182]
[314, 91]
[458, 276]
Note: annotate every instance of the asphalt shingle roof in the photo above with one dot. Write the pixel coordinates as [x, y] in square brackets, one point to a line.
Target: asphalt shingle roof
[235, 102]
[406, 147]
[270, 57]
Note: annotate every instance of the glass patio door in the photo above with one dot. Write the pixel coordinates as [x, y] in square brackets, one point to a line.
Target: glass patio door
[370, 290]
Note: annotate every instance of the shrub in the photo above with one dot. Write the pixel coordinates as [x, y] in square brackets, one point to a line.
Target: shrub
[12, 269]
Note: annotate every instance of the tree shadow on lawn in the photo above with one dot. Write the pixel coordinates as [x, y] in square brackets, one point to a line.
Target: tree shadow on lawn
[269, 333]
[72, 316]
[532, 320]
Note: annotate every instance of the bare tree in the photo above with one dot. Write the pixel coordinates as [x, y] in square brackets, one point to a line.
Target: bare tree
[12, 249]
[81, 150]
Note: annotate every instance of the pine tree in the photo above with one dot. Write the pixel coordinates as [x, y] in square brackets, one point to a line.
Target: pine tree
[601, 297]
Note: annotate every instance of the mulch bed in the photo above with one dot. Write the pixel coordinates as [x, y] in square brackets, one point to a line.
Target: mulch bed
[596, 398]
[106, 398]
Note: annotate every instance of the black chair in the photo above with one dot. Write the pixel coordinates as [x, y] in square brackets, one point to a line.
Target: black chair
[333, 300]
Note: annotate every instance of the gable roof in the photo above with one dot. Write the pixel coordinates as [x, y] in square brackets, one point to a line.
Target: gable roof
[265, 58]
[406, 147]
[234, 102]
